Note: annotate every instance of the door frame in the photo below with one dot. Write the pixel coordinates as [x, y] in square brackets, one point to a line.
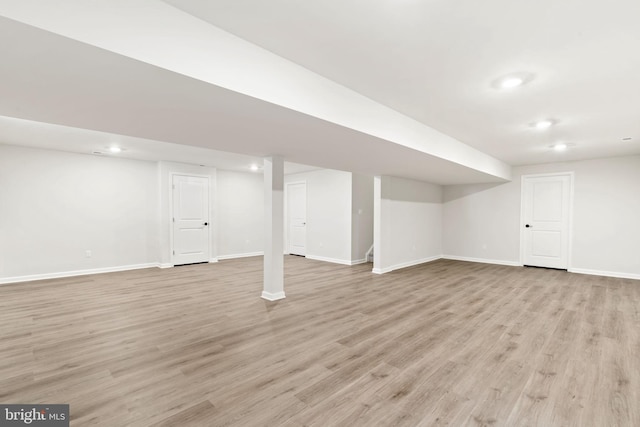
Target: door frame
[171, 231]
[523, 178]
[286, 212]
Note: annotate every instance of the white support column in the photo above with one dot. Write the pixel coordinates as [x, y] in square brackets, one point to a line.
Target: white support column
[381, 218]
[273, 288]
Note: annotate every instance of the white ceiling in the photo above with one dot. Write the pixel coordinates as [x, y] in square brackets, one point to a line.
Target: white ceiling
[58, 80]
[28, 133]
[433, 61]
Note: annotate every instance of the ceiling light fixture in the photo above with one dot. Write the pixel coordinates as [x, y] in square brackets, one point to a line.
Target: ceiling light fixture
[560, 146]
[512, 80]
[115, 149]
[543, 124]
[254, 167]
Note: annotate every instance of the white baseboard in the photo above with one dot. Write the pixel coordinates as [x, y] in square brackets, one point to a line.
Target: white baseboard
[405, 264]
[211, 260]
[571, 270]
[234, 256]
[31, 277]
[358, 261]
[335, 260]
[605, 273]
[482, 260]
[272, 296]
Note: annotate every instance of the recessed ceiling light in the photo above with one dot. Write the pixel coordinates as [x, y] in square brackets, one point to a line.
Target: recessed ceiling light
[543, 124]
[254, 167]
[561, 146]
[511, 81]
[115, 149]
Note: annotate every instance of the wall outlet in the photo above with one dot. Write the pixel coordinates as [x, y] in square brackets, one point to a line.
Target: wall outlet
[87, 254]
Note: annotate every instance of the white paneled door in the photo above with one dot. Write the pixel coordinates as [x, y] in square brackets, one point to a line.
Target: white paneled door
[297, 218]
[546, 220]
[190, 219]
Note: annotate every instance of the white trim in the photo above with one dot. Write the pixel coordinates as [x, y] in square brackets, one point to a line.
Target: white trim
[571, 175]
[234, 256]
[482, 260]
[358, 261]
[335, 260]
[273, 297]
[605, 273]
[61, 274]
[212, 260]
[165, 265]
[406, 264]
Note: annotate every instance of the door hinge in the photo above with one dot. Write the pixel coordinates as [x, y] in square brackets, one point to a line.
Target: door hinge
[174, 252]
[173, 219]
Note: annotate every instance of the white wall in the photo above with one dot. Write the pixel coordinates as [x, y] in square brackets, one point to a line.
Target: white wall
[55, 206]
[240, 211]
[328, 214]
[408, 223]
[483, 221]
[361, 216]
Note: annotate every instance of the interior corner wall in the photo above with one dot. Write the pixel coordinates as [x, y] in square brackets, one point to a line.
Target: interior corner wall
[56, 206]
[240, 221]
[328, 214]
[482, 222]
[361, 217]
[408, 223]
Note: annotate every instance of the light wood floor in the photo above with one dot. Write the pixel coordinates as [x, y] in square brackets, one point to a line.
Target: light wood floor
[445, 343]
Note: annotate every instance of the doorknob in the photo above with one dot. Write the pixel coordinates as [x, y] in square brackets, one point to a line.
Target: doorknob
[206, 223]
[527, 226]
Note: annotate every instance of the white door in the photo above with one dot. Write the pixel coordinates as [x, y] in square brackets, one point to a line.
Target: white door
[297, 218]
[190, 219]
[546, 219]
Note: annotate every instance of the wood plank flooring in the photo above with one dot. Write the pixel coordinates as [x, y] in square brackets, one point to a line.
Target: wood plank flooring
[445, 343]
